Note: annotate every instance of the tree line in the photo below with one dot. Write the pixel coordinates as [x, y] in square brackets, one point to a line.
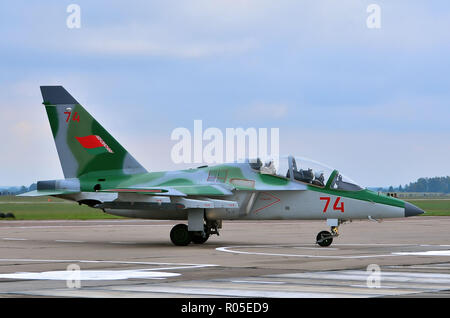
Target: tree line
[435, 184]
[17, 190]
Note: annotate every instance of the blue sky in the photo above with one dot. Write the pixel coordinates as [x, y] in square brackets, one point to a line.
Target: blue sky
[374, 103]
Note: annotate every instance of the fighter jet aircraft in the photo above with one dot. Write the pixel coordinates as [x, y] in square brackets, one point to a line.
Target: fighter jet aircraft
[100, 173]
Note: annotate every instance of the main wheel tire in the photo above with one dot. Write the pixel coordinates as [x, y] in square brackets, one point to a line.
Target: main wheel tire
[324, 239]
[180, 236]
[199, 239]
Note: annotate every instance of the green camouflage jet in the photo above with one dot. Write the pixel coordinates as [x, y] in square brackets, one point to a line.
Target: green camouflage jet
[100, 173]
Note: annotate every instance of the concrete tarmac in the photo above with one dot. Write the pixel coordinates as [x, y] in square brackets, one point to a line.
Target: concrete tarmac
[135, 258]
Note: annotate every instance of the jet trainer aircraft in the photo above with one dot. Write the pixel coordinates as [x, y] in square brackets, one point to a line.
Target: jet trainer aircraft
[100, 173]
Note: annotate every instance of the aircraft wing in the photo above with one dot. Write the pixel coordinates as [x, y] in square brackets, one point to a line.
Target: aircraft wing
[176, 197]
[177, 191]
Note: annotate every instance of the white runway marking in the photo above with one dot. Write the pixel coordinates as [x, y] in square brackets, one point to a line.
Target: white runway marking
[233, 249]
[91, 275]
[426, 253]
[256, 282]
[227, 249]
[177, 265]
[149, 273]
[14, 239]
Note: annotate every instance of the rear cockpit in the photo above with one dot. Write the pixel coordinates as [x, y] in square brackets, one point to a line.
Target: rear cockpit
[305, 171]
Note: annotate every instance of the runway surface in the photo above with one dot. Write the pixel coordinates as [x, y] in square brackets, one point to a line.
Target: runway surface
[135, 258]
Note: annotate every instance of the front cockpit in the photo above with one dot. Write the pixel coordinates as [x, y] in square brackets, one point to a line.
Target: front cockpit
[305, 171]
[340, 182]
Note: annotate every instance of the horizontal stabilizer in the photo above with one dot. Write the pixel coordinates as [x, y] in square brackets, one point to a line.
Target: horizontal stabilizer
[41, 193]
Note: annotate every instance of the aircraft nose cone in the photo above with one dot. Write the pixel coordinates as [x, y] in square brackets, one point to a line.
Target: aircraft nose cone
[412, 210]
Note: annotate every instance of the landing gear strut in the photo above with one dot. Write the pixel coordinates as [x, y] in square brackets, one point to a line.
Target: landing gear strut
[211, 227]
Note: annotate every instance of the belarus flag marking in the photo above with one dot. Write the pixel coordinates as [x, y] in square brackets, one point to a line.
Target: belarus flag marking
[94, 144]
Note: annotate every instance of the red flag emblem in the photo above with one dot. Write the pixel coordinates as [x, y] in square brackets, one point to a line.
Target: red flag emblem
[94, 144]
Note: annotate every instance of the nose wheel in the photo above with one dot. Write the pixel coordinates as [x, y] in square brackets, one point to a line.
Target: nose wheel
[325, 238]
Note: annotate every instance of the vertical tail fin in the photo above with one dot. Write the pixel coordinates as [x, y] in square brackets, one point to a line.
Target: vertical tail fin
[83, 145]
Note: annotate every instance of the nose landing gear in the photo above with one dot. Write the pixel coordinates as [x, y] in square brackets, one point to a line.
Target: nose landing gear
[325, 238]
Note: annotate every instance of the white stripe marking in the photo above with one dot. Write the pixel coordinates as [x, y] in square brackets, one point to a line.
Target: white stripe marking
[104, 262]
[226, 249]
[426, 253]
[91, 275]
[14, 239]
[256, 282]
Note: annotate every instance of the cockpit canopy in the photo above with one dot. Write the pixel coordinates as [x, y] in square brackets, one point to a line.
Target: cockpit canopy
[306, 171]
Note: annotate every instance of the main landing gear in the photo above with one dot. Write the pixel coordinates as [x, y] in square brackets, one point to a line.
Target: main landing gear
[325, 238]
[181, 236]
